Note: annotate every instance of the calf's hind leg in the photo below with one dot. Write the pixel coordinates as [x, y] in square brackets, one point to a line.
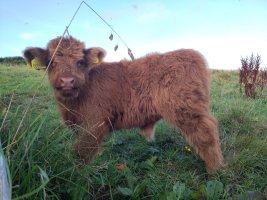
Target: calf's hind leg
[201, 132]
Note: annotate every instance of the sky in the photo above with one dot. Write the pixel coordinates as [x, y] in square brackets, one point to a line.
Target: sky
[223, 31]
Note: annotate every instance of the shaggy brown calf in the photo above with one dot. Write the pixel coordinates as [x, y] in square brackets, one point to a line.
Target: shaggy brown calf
[99, 97]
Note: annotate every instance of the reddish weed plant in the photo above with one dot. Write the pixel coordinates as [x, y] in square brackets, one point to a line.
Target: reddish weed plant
[251, 77]
[262, 80]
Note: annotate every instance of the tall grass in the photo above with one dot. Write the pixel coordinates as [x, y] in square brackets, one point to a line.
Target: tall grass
[42, 164]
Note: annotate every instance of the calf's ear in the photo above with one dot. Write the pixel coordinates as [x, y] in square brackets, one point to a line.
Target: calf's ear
[95, 55]
[36, 57]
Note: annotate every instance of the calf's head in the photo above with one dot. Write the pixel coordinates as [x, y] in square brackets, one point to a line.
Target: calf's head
[68, 65]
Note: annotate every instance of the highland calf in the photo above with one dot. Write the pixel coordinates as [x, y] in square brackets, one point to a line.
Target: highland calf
[98, 97]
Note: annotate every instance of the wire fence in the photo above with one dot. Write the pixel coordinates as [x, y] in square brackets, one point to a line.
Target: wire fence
[105, 22]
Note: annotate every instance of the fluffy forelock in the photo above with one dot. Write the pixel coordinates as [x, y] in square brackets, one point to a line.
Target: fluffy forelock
[69, 46]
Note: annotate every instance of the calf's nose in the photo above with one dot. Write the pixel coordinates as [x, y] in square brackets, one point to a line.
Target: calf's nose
[66, 82]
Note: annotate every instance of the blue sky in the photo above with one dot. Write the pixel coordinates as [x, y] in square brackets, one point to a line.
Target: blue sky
[222, 30]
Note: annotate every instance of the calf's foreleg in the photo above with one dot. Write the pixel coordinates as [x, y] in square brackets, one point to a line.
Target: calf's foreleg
[88, 143]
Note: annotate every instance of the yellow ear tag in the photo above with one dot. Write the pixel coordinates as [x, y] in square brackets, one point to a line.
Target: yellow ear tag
[96, 61]
[35, 64]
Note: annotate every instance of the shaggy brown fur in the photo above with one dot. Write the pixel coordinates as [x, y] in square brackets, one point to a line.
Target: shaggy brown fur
[173, 86]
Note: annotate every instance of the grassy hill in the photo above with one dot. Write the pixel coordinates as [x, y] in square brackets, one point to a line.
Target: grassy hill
[42, 165]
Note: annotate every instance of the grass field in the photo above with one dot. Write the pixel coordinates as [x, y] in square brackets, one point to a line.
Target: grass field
[41, 164]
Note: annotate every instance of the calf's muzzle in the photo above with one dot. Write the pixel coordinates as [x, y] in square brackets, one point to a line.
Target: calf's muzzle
[66, 83]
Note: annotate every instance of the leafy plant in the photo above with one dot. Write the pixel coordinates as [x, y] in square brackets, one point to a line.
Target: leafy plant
[251, 76]
[213, 190]
[135, 188]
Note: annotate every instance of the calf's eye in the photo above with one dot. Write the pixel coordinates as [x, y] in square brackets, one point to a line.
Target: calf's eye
[81, 63]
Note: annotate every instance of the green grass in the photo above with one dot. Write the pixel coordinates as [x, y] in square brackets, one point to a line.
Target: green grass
[42, 164]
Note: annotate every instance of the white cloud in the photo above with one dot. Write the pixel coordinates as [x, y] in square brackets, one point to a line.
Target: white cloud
[15, 50]
[150, 16]
[26, 36]
[220, 53]
[88, 27]
[152, 11]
